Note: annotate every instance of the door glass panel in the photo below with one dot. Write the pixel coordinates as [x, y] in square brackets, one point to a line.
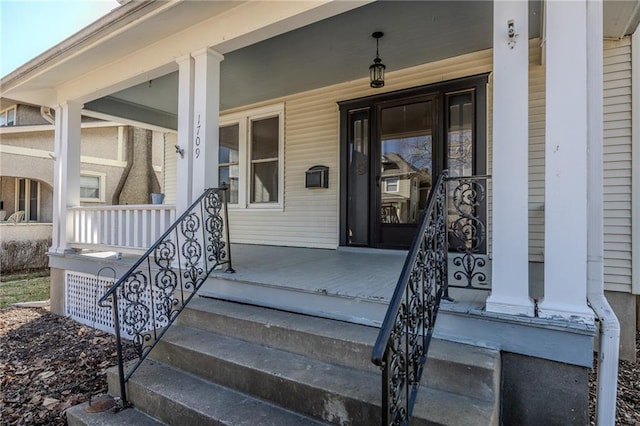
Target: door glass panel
[467, 216]
[460, 134]
[406, 148]
[358, 178]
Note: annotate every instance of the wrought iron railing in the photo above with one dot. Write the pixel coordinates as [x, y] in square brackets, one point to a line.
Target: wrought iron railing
[468, 232]
[403, 341]
[152, 293]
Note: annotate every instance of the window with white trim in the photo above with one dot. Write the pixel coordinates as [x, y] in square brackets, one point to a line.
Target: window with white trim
[28, 198]
[92, 187]
[391, 184]
[8, 117]
[228, 160]
[251, 157]
[265, 149]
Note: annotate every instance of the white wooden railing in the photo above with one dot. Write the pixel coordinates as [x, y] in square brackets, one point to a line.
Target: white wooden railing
[122, 228]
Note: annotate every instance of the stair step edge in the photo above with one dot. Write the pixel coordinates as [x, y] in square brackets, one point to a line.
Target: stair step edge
[176, 398]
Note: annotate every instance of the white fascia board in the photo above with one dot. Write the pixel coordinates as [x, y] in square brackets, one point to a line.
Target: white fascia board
[102, 29]
[10, 130]
[126, 121]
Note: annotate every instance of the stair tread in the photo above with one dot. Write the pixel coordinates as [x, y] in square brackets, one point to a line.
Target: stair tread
[450, 352]
[224, 405]
[272, 317]
[77, 415]
[351, 383]
[299, 368]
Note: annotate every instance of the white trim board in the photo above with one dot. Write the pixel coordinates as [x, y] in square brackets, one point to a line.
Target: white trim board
[8, 130]
[41, 153]
[635, 162]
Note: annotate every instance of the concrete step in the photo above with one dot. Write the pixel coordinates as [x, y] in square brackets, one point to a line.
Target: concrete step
[178, 398]
[452, 367]
[333, 393]
[328, 340]
[235, 364]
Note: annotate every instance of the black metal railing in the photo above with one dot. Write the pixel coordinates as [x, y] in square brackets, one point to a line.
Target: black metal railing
[403, 341]
[152, 293]
[467, 229]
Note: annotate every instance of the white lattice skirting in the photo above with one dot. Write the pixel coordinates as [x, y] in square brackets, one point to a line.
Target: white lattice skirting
[82, 294]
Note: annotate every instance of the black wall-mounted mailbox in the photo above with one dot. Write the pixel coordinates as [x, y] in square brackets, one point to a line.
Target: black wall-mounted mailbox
[317, 177]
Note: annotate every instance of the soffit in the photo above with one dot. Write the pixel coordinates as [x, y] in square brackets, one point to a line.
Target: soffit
[620, 17]
[341, 48]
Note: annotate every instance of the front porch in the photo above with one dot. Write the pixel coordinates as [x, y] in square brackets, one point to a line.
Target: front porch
[481, 91]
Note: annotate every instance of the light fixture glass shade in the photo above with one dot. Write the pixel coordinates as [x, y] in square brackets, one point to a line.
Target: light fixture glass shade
[376, 73]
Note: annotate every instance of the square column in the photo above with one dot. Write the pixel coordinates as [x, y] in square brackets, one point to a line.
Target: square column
[510, 244]
[184, 149]
[565, 248]
[66, 186]
[206, 114]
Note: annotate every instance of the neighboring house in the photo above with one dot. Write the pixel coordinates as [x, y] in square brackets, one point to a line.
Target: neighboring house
[27, 177]
[534, 100]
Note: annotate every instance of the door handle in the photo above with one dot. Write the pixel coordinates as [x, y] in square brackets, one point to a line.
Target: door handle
[378, 181]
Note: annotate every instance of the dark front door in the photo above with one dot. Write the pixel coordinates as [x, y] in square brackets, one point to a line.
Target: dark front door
[404, 168]
[394, 146]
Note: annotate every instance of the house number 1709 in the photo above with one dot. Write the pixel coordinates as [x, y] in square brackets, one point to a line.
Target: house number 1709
[197, 141]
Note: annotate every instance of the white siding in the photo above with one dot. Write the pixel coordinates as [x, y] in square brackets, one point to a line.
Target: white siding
[617, 165]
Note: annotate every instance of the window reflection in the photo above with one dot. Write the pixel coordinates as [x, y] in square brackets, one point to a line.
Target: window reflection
[407, 161]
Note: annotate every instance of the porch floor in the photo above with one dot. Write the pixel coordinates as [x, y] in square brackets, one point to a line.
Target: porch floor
[361, 273]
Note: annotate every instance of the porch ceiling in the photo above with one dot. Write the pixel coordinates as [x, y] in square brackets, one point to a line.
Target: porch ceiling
[331, 51]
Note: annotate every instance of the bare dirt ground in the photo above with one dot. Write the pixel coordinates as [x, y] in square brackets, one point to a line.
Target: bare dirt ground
[49, 363]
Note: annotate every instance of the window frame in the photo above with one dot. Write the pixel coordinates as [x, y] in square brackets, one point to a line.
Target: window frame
[102, 177]
[5, 113]
[230, 164]
[396, 181]
[27, 198]
[244, 119]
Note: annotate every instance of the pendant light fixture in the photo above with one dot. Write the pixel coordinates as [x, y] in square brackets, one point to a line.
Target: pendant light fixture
[376, 70]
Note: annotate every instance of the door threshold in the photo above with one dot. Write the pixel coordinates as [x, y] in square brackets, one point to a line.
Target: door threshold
[372, 250]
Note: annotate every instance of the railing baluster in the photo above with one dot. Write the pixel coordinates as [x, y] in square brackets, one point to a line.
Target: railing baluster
[147, 324]
[404, 338]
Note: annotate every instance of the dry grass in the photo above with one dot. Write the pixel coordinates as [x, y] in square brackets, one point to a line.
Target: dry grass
[23, 288]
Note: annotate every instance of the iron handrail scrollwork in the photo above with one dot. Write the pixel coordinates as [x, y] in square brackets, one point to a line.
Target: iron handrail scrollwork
[468, 232]
[147, 299]
[403, 342]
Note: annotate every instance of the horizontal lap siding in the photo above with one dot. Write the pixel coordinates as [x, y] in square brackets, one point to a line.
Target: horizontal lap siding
[617, 165]
[310, 216]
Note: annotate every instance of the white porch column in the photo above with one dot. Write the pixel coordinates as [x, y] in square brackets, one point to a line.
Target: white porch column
[206, 114]
[184, 170]
[565, 257]
[66, 191]
[510, 245]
